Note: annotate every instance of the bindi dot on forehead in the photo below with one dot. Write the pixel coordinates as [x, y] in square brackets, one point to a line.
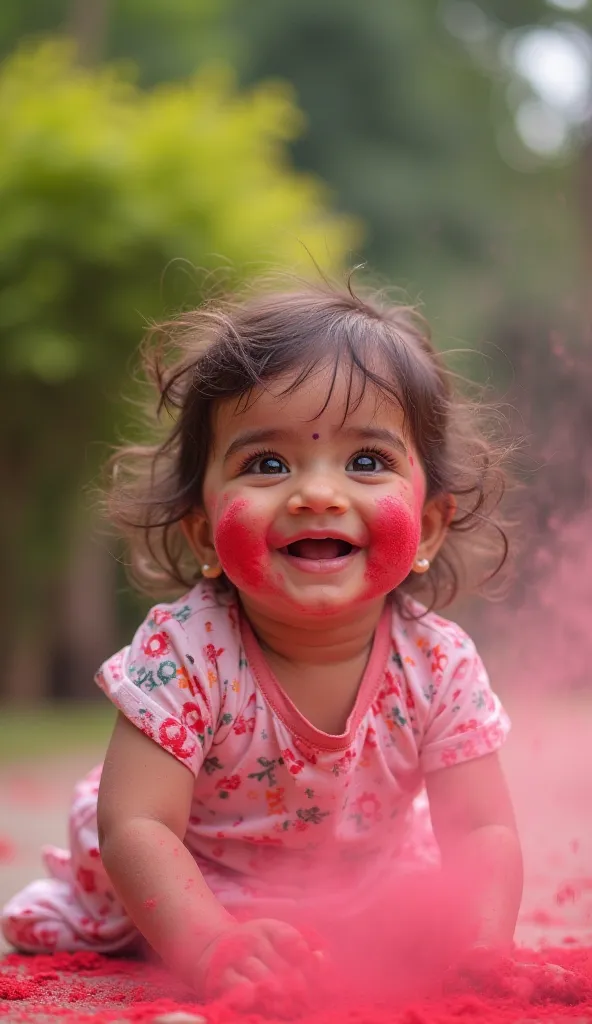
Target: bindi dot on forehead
[315, 437]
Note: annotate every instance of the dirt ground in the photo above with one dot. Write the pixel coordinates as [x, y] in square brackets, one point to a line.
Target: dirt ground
[549, 764]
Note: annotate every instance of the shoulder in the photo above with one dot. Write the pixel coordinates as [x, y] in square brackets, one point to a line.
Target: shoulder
[201, 625]
[171, 681]
[181, 642]
[429, 643]
[205, 608]
[438, 661]
[456, 714]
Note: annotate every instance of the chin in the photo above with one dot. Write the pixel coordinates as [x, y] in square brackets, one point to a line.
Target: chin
[323, 604]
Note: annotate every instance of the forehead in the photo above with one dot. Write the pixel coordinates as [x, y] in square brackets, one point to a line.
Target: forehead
[324, 401]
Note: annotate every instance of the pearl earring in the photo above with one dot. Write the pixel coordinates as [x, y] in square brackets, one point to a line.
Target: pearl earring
[211, 572]
[421, 565]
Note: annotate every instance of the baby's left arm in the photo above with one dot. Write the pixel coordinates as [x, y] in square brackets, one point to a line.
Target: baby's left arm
[473, 822]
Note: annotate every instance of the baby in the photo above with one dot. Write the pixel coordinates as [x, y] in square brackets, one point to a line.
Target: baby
[284, 724]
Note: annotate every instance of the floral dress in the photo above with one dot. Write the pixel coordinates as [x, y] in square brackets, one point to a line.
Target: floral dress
[282, 812]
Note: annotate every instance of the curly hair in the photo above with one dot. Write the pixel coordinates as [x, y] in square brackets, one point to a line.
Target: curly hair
[228, 348]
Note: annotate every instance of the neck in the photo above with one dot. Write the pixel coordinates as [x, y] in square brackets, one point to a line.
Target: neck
[318, 641]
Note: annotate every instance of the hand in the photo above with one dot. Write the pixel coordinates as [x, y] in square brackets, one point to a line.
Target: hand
[263, 962]
[479, 968]
[493, 973]
[542, 982]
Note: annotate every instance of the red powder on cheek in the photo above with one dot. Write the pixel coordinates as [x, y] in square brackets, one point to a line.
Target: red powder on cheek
[393, 545]
[241, 547]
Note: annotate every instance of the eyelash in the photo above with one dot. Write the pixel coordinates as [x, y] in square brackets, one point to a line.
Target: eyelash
[387, 457]
[266, 453]
[263, 453]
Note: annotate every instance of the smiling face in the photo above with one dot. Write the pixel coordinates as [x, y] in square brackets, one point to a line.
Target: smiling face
[313, 515]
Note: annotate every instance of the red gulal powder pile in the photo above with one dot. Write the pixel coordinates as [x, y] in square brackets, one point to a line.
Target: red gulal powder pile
[90, 989]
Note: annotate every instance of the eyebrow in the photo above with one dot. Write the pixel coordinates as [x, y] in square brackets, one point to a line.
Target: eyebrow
[265, 435]
[378, 434]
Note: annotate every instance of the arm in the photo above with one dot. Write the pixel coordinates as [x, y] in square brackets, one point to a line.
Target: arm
[144, 804]
[474, 825]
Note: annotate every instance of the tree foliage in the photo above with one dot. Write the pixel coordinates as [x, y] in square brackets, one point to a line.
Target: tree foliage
[413, 131]
[110, 199]
[113, 191]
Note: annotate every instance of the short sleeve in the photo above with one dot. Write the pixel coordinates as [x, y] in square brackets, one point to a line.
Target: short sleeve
[161, 684]
[467, 720]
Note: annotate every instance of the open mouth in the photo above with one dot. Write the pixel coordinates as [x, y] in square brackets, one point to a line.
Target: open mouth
[319, 549]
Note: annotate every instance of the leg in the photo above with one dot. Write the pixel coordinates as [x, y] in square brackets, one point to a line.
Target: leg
[74, 908]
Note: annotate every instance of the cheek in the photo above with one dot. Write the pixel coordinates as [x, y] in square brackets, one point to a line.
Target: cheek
[418, 485]
[240, 545]
[395, 535]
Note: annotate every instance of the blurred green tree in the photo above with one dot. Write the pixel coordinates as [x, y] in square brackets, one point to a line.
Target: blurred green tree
[412, 127]
[102, 188]
[409, 120]
[166, 41]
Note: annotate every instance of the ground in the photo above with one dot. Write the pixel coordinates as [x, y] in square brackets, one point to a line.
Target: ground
[549, 763]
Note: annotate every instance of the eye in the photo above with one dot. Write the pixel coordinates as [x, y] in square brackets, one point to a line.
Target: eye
[371, 461]
[264, 464]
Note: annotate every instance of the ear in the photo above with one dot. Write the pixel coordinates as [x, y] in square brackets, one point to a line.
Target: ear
[436, 516]
[197, 533]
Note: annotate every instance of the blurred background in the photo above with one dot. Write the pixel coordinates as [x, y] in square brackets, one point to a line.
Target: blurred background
[149, 148]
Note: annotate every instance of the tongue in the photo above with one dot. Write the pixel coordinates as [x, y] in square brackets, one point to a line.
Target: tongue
[317, 549]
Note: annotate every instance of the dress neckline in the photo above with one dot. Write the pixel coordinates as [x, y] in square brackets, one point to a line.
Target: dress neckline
[286, 710]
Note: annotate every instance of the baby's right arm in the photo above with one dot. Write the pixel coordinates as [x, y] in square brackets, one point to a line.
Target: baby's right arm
[144, 806]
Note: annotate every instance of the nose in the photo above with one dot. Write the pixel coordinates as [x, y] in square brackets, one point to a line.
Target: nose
[317, 493]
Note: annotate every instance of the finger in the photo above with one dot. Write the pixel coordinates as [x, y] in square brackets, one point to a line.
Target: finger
[225, 981]
[282, 974]
[238, 991]
[560, 973]
[228, 950]
[270, 956]
[522, 987]
[256, 970]
[288, 942]
[319, 962]
[297, 984]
